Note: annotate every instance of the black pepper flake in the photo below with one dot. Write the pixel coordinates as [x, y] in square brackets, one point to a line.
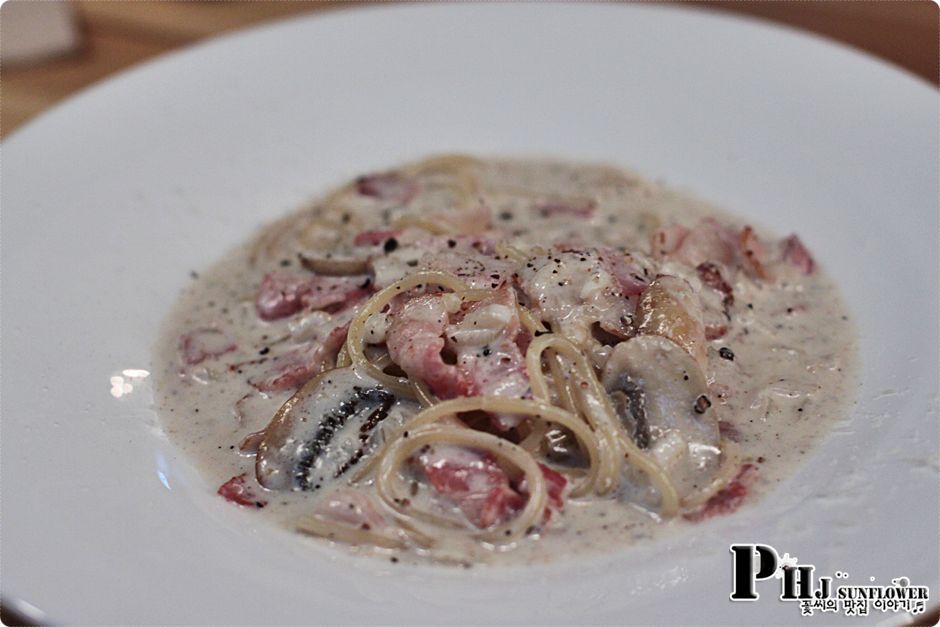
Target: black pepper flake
[506, 216]
[285, 263]
[193, 274]
[393, 559]
[390, 245]
[451, 243]
[702, 404]
[726, 353]
[264, 351]
[486, 351]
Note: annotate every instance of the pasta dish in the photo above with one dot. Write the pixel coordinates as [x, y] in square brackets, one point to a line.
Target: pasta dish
[476, 360]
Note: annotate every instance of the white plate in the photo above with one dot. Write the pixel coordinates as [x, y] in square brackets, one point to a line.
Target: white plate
[110, 201]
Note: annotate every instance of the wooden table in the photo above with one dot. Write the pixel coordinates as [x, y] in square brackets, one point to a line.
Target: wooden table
[118, 35]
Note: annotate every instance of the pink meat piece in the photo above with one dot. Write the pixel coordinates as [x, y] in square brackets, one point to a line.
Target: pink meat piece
[728, 430]
[573, 289]
[472, 481]
[374, 237]
[415, 339]
[294, 368]
[555, 483]
[711, 276]
[201, 344]
[666, 241]
[237, 490]
[480, 487]
[796, 254]
[753, 254]
[284, 293]
[729, 498]
[630, 275]
[489, 356]
[388, 186]
[708, 241]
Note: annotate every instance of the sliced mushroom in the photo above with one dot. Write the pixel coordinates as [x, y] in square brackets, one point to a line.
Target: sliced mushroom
[335, 266]
[630, 403]
[669, 307]
[665, 407]
[325, 429]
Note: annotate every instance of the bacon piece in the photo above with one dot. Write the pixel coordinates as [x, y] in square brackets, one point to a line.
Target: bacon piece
[296, 367]
[729, 498]
[415, 339]
[201, 344]
[237, 491]
[374, 238]
[480, 487]
[711, 276]
[708, 241]
[389, 186]
[555, 483]
[665, 241]
[795, 254]
[728, 430]
[484, 339]
[279, 295]
[715, 331]
[576, 289]
[630, 275]
[283, 293]
[753, 254]
[473, 481]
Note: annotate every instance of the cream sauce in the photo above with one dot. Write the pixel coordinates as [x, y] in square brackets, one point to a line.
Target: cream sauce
[779, 378]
